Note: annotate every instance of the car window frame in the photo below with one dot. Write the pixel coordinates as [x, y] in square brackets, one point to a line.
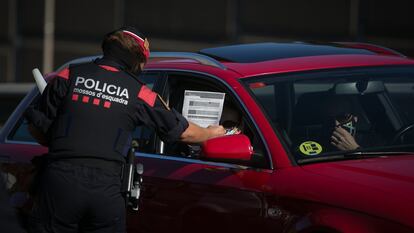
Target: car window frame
[246, 114]
[16, 119]
[11, 124]
[293, 77]
[158, 86]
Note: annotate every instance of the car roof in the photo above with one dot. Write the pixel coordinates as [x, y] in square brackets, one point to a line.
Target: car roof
[260, 52]
[301, 64]
[248, 60]
[264, 58]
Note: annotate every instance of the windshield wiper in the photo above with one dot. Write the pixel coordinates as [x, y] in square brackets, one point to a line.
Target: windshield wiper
[351, 155]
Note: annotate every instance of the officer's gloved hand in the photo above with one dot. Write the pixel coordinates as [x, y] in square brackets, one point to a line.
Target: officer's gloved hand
[38, 124]
[38, 135]
[216, 130]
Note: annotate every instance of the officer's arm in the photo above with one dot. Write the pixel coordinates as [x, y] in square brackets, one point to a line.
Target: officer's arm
[38, 135]
[197, 134]
[170, 125]
[41, 114]
[38, 123]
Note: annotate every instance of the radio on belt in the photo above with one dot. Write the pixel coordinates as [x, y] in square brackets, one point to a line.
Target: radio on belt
[132, 179]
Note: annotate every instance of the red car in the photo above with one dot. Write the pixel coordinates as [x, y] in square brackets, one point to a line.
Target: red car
[287, 171]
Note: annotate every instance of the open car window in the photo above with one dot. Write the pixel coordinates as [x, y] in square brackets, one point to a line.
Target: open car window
[233, 115]
[373, 106]
[21, 133]
[144, 135]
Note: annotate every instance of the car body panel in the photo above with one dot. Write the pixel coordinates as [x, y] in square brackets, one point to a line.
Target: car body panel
[20, 152]
[365, 184]
[176, 189]
[187, 194]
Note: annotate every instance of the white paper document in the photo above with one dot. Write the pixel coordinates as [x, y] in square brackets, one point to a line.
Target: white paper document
[202, 107]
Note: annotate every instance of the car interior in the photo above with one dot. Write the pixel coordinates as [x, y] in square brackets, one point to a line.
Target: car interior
[233, 115]
[314, 113]
[305, 110]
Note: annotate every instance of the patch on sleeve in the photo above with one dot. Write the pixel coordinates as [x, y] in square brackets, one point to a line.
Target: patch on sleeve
[64, 74]
[147, 95]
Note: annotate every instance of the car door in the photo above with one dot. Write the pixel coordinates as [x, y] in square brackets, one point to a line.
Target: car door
[17, 149]
[184, 193]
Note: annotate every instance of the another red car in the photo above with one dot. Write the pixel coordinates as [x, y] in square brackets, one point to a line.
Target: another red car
[281, 173]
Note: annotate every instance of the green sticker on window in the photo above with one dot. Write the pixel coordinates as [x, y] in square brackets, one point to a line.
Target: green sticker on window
[310, 148]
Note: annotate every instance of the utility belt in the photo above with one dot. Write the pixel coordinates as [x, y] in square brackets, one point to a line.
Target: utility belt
[41, 162]
[107, 165]
[129, 172]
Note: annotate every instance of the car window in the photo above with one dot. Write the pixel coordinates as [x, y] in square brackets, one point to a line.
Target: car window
[401, 93]
[143, 135]
[233, 115]
[21, 133]
[373, 106]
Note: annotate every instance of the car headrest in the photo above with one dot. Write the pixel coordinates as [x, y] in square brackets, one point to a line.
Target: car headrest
[317, 108]
[230, 117]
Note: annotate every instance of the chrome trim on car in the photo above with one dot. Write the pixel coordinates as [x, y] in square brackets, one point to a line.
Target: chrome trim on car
[78, 61]
[203, 59]
[190, 160]
[21, 142]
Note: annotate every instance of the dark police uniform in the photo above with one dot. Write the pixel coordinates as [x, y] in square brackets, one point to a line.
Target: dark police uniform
[89, 112]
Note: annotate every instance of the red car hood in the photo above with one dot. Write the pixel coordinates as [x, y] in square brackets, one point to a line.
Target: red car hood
[381, 186]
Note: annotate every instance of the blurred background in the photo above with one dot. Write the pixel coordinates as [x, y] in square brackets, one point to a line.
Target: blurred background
[47, 33]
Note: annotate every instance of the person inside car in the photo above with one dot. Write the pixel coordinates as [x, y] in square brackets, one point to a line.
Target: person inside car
[327, 119]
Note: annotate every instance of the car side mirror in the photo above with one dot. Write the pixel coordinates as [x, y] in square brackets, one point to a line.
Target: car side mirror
[233, 148]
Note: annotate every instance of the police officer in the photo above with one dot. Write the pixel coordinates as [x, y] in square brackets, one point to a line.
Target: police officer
[86, 116]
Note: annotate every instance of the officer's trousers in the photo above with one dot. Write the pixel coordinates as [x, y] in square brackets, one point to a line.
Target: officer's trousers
[73, 198]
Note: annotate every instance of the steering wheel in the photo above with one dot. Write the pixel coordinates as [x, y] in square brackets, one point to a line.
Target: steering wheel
[401, 132]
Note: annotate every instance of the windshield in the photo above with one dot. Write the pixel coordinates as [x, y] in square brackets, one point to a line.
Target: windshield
[324, 114]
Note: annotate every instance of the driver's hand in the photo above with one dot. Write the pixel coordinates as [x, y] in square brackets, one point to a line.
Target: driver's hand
[343, 140]
[216, 130]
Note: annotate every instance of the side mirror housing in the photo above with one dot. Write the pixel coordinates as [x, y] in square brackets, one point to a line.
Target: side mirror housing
[228, 148]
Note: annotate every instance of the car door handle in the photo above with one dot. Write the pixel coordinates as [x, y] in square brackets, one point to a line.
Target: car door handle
[226, 169]
[148, 190]
[217, 169]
